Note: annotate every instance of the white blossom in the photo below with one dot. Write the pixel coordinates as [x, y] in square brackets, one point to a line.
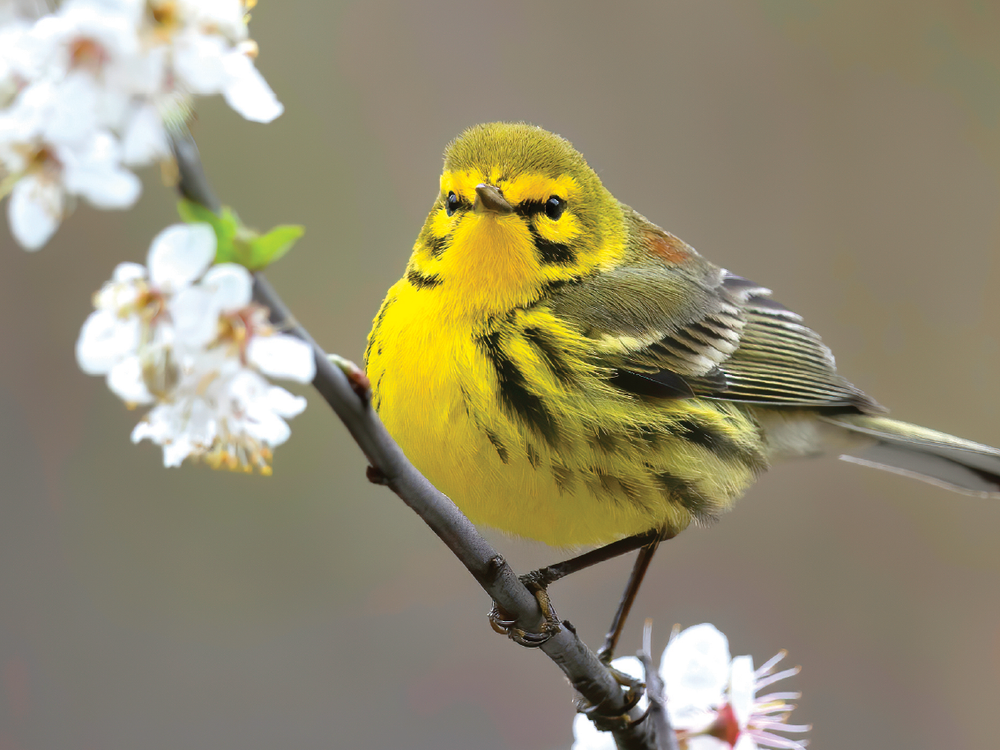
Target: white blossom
[89, 90]
[223, 412]
[186, 337]
[50, 178]
[711, 699]
[13, 32]
[88, 48]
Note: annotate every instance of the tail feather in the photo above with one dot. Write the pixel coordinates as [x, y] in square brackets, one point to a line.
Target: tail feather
[928, 455]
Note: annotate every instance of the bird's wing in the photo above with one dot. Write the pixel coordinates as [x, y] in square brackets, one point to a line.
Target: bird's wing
[671, 324]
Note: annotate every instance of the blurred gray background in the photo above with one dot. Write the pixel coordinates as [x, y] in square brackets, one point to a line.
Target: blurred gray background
[845, 153]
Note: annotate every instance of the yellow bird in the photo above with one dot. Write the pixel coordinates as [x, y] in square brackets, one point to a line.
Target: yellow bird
[567, 371]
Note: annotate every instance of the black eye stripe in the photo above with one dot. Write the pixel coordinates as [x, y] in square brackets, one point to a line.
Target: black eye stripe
[530, 208]
[554, 208]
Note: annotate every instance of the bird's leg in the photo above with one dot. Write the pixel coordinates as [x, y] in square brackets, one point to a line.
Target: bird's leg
[642, 560]
[635, 688]
[537, 581]
[546, 576]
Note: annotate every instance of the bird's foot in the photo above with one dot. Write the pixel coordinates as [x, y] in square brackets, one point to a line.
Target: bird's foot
[504, 624]
[634, 690]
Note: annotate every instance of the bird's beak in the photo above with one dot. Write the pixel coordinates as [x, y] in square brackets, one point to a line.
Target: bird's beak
[489, 198]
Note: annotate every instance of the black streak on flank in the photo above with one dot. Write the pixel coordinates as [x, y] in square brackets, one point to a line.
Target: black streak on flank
[552, 252]
[374, 335]
[513, 392]
[551, 355]
[721, 445]
[564, 477]
[603, 440]
[608, 482]
[533, 458]
[632, 491]
[381, 314]
[686, 494]
[501, 449]
[420, 281]
[465, 401]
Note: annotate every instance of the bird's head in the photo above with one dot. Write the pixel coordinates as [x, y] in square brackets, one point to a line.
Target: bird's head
[519, 210]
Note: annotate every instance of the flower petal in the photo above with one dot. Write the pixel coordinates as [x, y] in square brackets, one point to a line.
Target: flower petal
[34, 210]
[231, 286]
[284, 403]
[95, 172]
[588, 737]
[145, 139]
[695, 670]
[706, 742]
[266, 426]
[72, 114]
[228, 16]
[180, 254]
[176, 451]
[198, 62]
[247, 92]
[195, 316]
[110, 188]
[127, 271]
[125, 381]
[282, 356]
[104, 340]
[741, 688]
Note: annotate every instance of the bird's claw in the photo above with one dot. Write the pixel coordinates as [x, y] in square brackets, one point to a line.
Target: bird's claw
[635, 689]
[504, 624]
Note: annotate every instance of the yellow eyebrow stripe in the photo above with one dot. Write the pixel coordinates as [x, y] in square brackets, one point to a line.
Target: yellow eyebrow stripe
[525, 187]
[538, 187]
[463, 184]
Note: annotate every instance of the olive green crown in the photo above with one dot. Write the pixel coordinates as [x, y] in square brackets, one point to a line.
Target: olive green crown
[516, 148]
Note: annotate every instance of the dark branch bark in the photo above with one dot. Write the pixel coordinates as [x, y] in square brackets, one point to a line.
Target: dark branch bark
[589, 677]
[656, 714]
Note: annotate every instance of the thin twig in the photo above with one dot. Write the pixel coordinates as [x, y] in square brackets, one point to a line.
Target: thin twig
[588, 676]
[656, 714]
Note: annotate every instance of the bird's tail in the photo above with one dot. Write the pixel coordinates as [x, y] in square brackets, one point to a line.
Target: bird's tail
[924, 454]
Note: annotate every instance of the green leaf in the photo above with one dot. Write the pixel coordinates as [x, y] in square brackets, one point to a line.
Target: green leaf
[194, 213]
[266, 249]
[230, 233]
[238, 243]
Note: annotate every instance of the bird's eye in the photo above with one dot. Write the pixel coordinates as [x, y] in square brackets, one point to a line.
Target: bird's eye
[451, 204]
[554, 207]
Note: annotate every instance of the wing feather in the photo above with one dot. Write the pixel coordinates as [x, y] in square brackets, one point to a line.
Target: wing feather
[692, 328]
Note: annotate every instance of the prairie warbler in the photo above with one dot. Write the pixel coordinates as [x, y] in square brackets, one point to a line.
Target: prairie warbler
[567, 371]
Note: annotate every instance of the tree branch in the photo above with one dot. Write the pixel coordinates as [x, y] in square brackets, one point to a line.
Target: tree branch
[588, 676]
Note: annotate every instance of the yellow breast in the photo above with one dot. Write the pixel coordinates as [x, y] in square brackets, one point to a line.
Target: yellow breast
[594, 465]
[435, 391]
